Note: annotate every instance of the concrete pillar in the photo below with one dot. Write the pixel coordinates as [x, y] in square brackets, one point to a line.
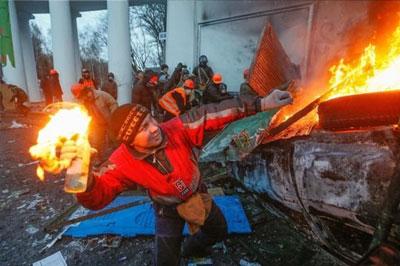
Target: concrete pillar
[15, 75]
[63, 45]
[119, 49]
[181, 34]
[29, 57]
[75, 36]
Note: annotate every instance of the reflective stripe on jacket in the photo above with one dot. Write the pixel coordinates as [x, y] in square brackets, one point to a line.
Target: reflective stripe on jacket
[169, 104]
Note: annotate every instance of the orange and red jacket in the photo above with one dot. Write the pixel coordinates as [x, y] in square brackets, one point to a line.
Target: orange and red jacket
[184, 135]
[88, 83]
[170, 104]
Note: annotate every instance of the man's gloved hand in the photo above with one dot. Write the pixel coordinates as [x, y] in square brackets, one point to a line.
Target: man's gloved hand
[71, 150]
[275, 99]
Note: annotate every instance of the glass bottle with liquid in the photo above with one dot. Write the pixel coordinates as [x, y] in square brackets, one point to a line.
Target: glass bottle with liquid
[77, 173]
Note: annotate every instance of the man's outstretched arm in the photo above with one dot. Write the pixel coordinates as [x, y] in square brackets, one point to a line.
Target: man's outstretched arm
[215, 116]
[103, 187]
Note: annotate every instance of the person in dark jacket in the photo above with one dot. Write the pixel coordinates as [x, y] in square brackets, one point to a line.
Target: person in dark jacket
[175, 78]
[214, 93]
[162, 159]
[110, 86]
[47, 93]
[163, 76]
[143, 92]
[203, 73]
[137, 76]
[55, 86]
[19, 97]
[245, 88]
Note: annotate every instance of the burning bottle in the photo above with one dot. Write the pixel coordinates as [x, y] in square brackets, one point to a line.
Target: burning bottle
[77, 173]
[69, 123]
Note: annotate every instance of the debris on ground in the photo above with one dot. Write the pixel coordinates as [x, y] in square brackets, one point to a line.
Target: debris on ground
[200, 261]
[111, 241]
[55, 259]
[244, 262]
[31, 230]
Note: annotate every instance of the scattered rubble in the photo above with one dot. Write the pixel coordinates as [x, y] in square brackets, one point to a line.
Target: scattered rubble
[55, 259]
[244, 262]
[31, 230]
[111, 241]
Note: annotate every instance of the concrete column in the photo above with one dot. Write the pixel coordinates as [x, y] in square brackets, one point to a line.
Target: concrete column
[15, 75]
[181, 34]
[75, 36]
[63, 45]
[29, 57]
[119, 49]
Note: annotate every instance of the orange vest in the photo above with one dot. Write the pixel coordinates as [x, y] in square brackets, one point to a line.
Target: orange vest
[168, 103]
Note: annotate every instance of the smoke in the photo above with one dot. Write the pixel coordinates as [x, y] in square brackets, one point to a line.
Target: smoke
[340, 29]
[343, 29]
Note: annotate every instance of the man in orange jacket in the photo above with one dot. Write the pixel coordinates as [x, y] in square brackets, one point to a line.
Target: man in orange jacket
[163, 159]
[175, 102]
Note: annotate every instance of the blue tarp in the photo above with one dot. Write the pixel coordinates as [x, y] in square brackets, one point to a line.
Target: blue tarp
[139, 220]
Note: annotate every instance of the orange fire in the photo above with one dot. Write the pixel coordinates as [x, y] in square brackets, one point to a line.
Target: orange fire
[377, 69]
[65, 124]
[370, 73]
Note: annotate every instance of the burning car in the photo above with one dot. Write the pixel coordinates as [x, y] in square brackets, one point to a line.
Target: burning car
[331, 161]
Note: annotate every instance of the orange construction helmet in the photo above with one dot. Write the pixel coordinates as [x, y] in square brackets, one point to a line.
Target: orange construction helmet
[53, 72]
[189, 84]
[217, 78]
[76, 89]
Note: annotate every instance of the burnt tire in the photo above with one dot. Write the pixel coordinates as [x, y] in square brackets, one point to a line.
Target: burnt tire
[360, 110]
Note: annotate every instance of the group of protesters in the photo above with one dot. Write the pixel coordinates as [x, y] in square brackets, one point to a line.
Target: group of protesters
[169, 96]
[164, 95]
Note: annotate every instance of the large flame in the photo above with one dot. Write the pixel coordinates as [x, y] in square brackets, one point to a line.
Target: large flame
[65, 124]
[371, 72]
[376, 69]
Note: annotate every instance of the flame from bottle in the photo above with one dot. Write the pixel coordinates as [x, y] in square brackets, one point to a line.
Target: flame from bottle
[65, 124]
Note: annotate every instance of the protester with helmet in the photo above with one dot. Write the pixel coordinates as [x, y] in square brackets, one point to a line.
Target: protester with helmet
[214, 93]
[55, 86]
[203, 73]
[110, 86]
[176, 101]
[245, 88]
